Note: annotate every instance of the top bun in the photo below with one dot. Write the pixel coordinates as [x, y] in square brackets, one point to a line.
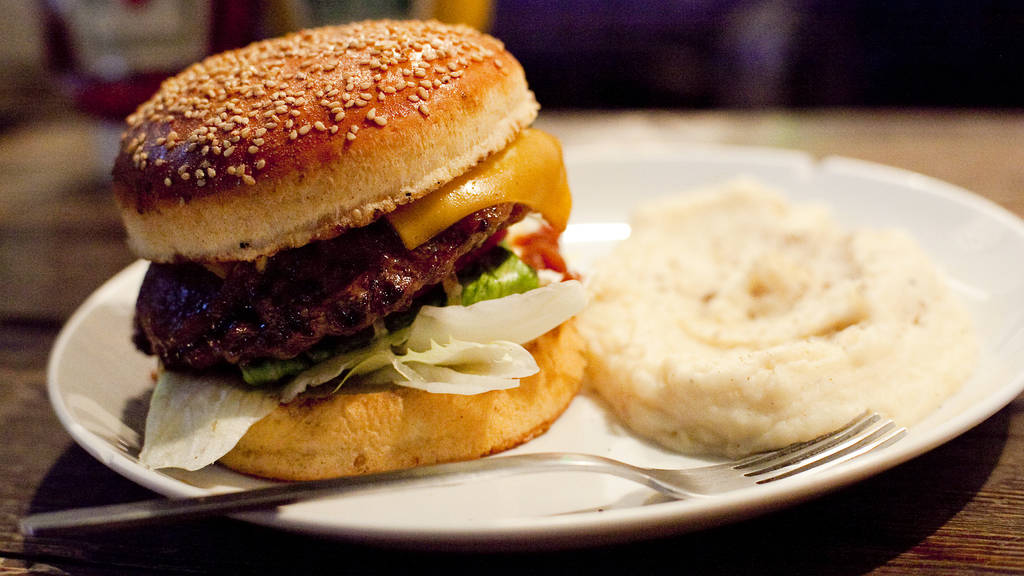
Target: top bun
[298, 138]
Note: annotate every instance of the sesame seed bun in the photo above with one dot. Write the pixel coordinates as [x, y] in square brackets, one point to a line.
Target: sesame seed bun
[296, 139]
[346, 434]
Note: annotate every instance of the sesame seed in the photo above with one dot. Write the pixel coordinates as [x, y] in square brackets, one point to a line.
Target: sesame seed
[304, 129]
[253, 149]
[260, 164]
[249, 180]
[167, 181]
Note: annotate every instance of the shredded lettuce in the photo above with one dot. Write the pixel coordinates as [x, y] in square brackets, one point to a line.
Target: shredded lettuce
[516, 318]
[499, 274]
[269, 370]
[195, 419]
[454, 368]
[491, 331]
[333, 367]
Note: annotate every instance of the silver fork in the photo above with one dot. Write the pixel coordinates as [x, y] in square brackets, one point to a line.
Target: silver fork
[865, 433]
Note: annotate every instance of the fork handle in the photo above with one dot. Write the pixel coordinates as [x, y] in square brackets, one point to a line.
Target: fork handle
[148, 512]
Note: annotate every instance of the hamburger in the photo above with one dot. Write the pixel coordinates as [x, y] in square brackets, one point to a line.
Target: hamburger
[353, 244]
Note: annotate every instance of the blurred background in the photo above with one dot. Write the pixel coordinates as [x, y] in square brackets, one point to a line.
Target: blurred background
[107, 55]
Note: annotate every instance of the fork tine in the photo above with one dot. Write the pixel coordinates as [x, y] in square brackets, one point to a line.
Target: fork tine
[880, 436]
[768, 461]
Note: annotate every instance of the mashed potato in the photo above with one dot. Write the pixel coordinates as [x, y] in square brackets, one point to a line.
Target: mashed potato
[732, 321]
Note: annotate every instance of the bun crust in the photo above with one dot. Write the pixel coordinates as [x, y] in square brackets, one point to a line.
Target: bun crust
[348, 434]
[298, 138]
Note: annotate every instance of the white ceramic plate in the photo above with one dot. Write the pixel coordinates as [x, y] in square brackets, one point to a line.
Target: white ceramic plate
[99, 384]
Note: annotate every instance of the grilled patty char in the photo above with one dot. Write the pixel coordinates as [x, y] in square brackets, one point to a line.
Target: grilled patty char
[193, 319]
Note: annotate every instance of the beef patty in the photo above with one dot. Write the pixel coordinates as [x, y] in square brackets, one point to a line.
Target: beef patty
[193, 318]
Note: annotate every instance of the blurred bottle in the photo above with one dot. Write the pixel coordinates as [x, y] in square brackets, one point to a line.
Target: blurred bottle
[111, 55]
[475, 13]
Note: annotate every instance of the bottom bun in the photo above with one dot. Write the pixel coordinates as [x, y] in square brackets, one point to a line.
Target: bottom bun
[347, 434]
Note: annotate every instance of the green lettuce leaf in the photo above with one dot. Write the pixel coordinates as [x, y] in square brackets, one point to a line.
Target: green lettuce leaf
[500, 274]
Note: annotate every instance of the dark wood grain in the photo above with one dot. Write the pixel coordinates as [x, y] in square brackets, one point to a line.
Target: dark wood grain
[958, 509]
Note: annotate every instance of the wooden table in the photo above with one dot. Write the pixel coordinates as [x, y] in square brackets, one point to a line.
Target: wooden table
[957, 509]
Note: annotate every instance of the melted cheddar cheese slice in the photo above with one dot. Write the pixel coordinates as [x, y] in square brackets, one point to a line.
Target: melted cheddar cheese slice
[528, 171]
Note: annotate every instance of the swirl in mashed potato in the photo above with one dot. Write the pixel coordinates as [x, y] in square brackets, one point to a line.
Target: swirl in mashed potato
[732, 321]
